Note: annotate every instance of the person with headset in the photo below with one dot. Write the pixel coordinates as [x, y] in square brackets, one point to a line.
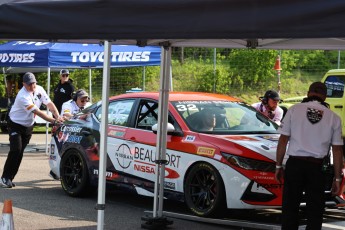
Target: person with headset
[64, 90]
[269, 106]
[79, 102]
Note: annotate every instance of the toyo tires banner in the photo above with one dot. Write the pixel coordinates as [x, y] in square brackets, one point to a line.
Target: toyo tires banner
[46, 54]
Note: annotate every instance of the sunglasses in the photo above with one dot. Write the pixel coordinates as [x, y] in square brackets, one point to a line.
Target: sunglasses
[65, 75]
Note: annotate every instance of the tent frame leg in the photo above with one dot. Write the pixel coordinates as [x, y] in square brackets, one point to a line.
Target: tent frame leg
[158, 221]
[155, 222]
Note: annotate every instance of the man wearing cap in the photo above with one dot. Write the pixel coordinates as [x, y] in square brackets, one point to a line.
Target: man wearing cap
[79, 102]
[269, 106]
[64, 90]
[21, 121]
[310, 128]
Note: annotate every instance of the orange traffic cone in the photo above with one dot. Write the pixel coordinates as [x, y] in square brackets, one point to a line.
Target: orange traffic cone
[6, 222]
[277, 64]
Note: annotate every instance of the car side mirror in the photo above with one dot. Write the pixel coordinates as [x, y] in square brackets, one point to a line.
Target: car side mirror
[170, 130]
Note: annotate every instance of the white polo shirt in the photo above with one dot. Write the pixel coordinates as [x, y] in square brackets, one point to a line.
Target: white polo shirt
[312, 129]
[71, 107]
[25, 103]
[278, 112]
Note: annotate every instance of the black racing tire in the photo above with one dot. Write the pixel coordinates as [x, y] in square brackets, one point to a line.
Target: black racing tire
[74, 173]
[204, 191]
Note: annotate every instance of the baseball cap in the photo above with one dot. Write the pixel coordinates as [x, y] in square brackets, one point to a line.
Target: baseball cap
[29, 78]
[318, 87]
[81, 93]
[272, 94]
[64, 71]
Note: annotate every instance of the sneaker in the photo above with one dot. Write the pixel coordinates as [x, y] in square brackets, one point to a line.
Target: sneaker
[6, 183]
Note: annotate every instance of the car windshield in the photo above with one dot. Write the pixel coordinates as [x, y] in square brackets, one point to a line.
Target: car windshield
[223, 117]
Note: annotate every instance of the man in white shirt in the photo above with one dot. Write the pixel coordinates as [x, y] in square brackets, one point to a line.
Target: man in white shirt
[269, 106]
[310, 128]
[79, 102]
[20, 124]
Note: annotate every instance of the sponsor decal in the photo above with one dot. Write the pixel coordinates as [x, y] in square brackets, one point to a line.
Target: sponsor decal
[144, 167]
[314, 115]
[205, 151]
[263, 177]
[143, 160]
[169, 185]
[204, 102]
[107, 174]
[72, 129]
[150, 168]
[270, 138]
[115, 56]
[269, 142]
[74, 139]
[241, 138]
[273, 186]
[148, 155]
[115, 132]
[189, 138]
[52, 158]
[124, 156]
[17, 57]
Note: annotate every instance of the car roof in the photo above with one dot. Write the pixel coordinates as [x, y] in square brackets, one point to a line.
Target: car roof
[180, 96]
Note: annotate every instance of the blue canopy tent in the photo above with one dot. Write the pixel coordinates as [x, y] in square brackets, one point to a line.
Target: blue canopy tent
[23, 56]
[67, 55]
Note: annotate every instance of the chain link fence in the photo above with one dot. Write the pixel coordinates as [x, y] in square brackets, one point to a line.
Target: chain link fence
[227, 71]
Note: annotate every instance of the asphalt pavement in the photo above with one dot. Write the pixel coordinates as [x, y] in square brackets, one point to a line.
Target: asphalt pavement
[39, 202]
[37, 143]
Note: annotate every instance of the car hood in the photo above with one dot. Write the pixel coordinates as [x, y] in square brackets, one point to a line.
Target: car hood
[263, 144]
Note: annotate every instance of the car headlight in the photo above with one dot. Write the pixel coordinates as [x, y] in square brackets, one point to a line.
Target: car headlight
[248, 163]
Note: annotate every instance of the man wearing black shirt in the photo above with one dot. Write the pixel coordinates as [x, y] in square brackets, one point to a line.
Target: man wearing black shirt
[64, 90]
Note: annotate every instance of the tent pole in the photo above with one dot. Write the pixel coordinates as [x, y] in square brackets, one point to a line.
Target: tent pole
[90, 85]
[170, 76]
[100, 206]
[144, 77]
[47, 124]
[158, 221]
